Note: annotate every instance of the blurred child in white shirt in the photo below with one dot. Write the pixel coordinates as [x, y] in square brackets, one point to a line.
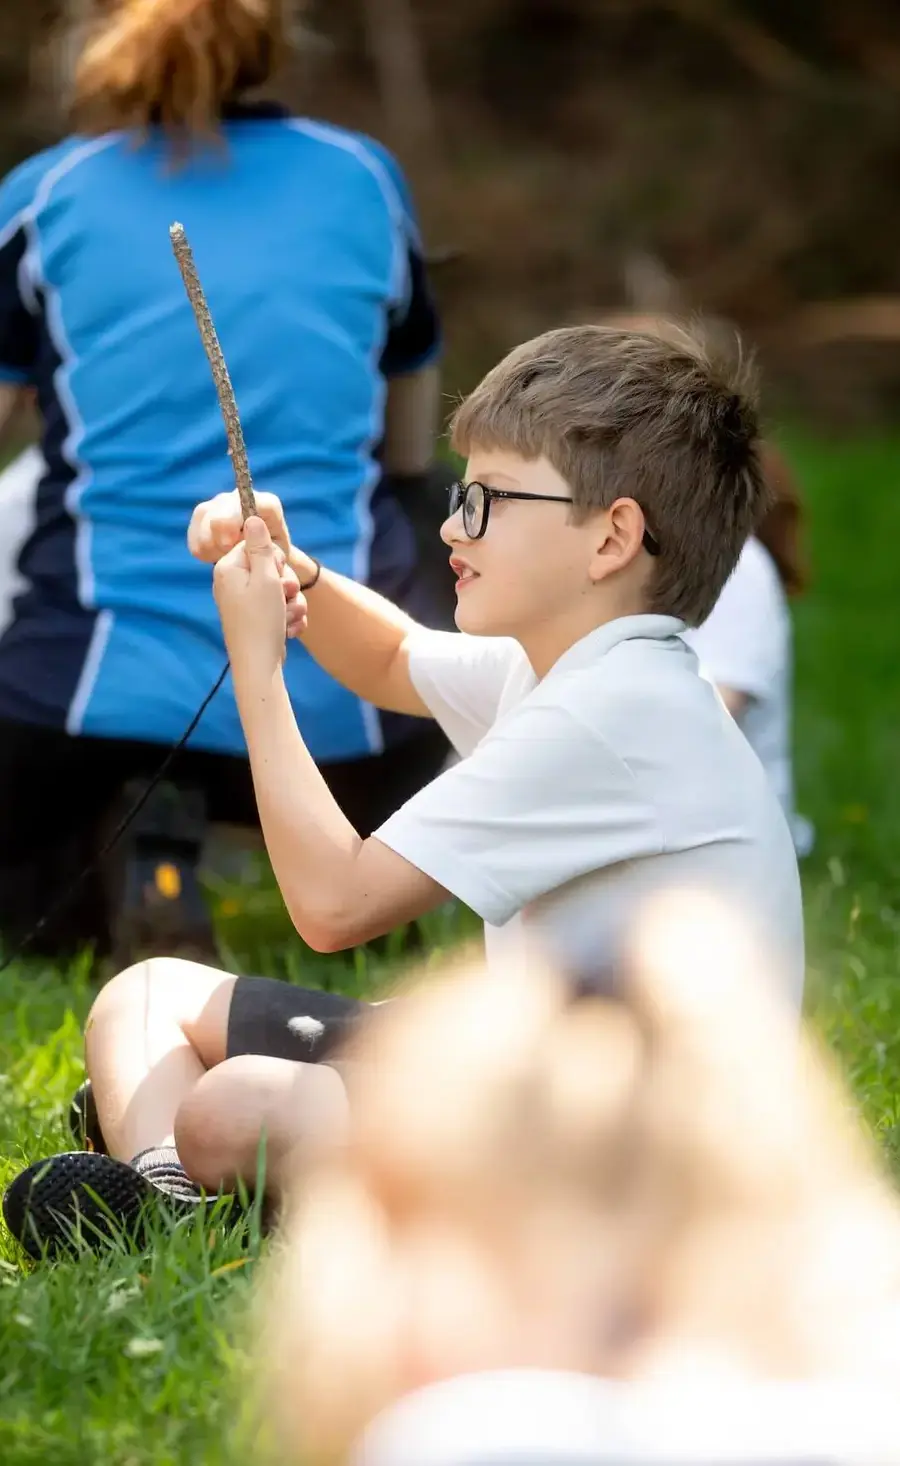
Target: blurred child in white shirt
[746, 645]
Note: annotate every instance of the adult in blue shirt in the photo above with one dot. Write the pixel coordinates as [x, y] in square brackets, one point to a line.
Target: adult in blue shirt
[306, 241]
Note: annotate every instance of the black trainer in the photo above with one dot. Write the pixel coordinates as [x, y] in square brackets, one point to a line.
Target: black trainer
[156, 903]
[54, 1202]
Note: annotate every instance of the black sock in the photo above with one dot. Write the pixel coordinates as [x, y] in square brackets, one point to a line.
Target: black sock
[162, 1168]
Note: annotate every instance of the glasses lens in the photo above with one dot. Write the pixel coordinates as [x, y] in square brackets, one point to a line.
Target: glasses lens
[457, 493]
[473, 510]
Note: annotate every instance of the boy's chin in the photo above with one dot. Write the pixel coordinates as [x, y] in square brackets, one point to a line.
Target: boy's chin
[474, 622]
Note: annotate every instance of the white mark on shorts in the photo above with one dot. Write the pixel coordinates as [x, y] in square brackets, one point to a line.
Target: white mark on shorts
[307, 1029]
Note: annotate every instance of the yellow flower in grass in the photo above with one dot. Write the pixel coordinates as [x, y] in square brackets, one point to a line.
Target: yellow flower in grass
[854, 814]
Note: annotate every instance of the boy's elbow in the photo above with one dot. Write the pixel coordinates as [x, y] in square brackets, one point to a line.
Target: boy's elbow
[325, 929]
[323, 938]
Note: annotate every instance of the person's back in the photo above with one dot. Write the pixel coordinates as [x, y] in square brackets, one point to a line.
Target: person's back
[745, 647]
[307, 248]
[301, 235]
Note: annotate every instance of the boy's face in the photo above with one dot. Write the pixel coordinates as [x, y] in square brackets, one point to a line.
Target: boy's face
[533, 564]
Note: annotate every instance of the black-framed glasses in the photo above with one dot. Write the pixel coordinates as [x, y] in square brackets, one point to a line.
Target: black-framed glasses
[475, 501]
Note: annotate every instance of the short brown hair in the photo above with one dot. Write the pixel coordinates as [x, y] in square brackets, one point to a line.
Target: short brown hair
[652, 416]
[782, 526]
[174, 62]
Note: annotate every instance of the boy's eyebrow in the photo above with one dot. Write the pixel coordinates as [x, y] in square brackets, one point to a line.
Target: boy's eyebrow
[501, 480]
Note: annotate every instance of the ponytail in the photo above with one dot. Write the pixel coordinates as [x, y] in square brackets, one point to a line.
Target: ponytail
[781, 530]
[174, 63]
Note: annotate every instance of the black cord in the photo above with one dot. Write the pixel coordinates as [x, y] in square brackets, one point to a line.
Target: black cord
[115, 837]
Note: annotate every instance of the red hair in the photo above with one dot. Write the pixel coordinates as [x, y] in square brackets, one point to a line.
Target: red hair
[174, 62]
[782, 526]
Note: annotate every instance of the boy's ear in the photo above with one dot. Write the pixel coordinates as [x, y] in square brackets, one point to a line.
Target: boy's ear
[620, 531]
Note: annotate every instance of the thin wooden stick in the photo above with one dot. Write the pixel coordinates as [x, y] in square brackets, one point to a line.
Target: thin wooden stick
[237, 451]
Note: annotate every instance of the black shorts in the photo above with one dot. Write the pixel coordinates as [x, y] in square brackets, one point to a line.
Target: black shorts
[282, 1021]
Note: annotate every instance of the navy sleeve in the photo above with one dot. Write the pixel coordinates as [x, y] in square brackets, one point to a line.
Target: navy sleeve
[19, 327]
[414, 337]
[414, 334]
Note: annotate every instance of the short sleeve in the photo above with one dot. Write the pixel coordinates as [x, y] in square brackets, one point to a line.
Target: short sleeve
[414, 337]
[19, 326]
[462, 680]
[541, 802]
[742, 643]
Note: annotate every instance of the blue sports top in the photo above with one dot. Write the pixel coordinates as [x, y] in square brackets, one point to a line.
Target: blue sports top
[306, 243]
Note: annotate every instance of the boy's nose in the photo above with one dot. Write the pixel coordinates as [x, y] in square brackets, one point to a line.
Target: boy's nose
[452, 532]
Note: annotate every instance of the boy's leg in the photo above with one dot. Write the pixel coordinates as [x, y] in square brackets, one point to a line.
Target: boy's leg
[277, 1080]
[157, 1036]
[156, 1029]
[293, 1108]
[152, 1033]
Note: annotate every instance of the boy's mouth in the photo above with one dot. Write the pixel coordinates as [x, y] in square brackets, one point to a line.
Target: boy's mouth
[463, 572]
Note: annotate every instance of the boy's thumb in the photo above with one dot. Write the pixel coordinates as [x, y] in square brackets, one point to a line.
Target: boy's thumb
[256, 536]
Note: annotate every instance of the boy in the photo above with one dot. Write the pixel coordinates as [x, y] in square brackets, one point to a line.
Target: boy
[612, 480]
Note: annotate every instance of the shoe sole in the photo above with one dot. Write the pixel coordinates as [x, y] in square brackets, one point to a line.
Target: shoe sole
[75, 1201]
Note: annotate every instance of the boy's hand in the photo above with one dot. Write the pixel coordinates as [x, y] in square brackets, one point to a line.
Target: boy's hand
[216, 525]
[259, 599]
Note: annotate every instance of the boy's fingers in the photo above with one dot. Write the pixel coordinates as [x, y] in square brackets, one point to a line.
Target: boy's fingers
[225, 531]
[291, 585]
[257, 537]
[216, 524]
[236, 559]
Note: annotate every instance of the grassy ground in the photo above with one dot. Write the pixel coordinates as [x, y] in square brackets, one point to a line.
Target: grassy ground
[131, 1360]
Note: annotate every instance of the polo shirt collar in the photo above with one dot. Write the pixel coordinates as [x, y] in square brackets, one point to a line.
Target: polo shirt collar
[597, 643]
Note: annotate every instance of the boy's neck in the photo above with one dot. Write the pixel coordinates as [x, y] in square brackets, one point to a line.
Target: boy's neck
[546, 642]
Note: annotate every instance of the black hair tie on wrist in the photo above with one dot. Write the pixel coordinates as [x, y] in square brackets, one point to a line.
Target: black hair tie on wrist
[310, 583]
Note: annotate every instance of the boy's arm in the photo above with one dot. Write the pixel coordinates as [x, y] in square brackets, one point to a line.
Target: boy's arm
[356, 635]
[340, 890]
[536, 805]
[360, 639]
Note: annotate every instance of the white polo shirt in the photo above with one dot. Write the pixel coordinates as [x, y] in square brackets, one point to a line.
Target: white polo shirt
[579, 795]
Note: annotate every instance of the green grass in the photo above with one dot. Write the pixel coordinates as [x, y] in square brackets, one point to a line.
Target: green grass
[128, 1360]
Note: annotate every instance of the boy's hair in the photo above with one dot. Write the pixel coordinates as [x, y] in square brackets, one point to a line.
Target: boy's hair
[782, 526]
[654, 416]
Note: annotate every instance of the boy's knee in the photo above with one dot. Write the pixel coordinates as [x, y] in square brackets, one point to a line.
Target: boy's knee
[219, 1125]
[123, 991]
[294, 1107]
[164, 989]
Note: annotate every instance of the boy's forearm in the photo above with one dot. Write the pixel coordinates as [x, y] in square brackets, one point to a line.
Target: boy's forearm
[311, 845]
[357, 637]
[339, 889]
